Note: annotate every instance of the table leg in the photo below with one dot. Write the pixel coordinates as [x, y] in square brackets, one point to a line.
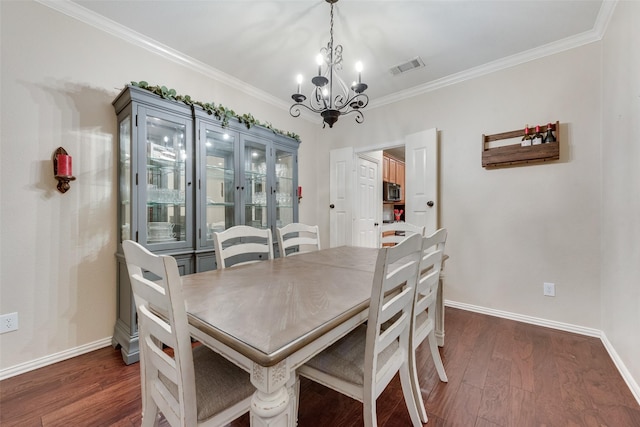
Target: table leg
[293, 388]
[271, 404]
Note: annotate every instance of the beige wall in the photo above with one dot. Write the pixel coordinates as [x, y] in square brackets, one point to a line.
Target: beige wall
[509, 229]
[621, 185]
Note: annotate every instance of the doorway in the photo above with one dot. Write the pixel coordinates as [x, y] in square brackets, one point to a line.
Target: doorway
[420, 193]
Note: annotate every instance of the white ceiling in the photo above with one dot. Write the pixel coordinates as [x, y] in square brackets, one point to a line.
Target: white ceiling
[263, 45]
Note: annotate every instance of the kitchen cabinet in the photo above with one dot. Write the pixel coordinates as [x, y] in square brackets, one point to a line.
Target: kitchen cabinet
[392, 170]
[385, 168]
[182, 176]
[400, 179]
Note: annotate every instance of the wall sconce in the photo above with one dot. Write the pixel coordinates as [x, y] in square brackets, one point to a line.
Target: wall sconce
[299, 193]
[62, 170]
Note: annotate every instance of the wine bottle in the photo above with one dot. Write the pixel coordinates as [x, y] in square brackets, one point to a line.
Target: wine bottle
[537, 138]
[526, 139]
[549, 137]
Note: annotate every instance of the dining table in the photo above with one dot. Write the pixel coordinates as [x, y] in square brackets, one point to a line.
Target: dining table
[272, 316]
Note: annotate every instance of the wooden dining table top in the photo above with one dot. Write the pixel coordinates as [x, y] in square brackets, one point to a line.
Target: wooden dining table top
[268, 310]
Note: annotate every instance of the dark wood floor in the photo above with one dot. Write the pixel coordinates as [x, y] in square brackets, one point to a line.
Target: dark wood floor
[501, 373]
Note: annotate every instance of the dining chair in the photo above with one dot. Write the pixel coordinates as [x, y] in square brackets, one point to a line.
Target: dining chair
[424, 311]
[306, 238]
[234, 245]
[362, 363]
[190, 385]
[395, 232]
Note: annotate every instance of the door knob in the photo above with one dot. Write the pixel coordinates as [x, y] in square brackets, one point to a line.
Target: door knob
[332, 206]
[430, 203]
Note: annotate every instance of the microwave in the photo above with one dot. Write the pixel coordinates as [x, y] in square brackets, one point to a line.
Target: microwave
[390, 192]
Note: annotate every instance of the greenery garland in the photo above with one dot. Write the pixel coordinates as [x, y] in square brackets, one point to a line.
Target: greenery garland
[219, 111]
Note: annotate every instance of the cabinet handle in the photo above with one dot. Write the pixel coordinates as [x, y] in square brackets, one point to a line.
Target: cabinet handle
[332, 206]
[430, 203]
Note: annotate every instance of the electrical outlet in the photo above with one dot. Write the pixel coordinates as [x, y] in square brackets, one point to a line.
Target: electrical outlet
[8, 322]
[549, 289]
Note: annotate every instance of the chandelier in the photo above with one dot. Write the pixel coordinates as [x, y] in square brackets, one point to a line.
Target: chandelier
[330, 96]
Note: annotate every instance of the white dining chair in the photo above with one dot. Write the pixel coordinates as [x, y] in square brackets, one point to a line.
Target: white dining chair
[424, 311]
[241, 245]
[362, 363]
[395, 232]
[189, 386]
[302, 237]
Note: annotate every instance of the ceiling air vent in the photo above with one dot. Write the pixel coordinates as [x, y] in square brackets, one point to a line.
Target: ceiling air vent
[412, 64]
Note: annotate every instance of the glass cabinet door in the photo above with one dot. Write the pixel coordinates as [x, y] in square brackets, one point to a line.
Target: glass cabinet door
[166, 180]
[219, 211]
[255, 185]
[285, 190]
[124, 137]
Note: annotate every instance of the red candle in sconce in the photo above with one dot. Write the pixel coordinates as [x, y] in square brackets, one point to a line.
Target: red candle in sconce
[300, 191]
[64, 165]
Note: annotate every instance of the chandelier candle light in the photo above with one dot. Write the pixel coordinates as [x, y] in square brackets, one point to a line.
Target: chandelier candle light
[330, 96]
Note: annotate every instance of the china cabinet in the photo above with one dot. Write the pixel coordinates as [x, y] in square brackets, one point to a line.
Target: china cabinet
[182, 176]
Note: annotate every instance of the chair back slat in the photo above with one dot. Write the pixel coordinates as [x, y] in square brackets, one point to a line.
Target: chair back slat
[430, 267]
[429, 279]
[297, 238]
[243, 248]
[234, 245]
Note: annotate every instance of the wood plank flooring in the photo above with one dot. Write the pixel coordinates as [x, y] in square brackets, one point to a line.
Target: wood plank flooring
[501, 373]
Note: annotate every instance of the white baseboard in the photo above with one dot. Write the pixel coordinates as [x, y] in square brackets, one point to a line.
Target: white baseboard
[53, 358]
[626, 375]
[525, 319]
[568, 327]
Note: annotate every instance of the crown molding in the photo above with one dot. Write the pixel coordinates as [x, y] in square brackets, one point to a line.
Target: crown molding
[100, 22]
[604, 16]
[584, 38]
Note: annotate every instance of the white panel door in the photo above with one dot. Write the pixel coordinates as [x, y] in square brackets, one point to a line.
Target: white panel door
[421, 179]
[340, 197]
[367, 203]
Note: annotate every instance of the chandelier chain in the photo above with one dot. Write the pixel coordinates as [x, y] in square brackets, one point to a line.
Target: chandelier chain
[331, 34]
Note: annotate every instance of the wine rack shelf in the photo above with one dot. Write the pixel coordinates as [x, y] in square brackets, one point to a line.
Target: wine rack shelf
[516, 154]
